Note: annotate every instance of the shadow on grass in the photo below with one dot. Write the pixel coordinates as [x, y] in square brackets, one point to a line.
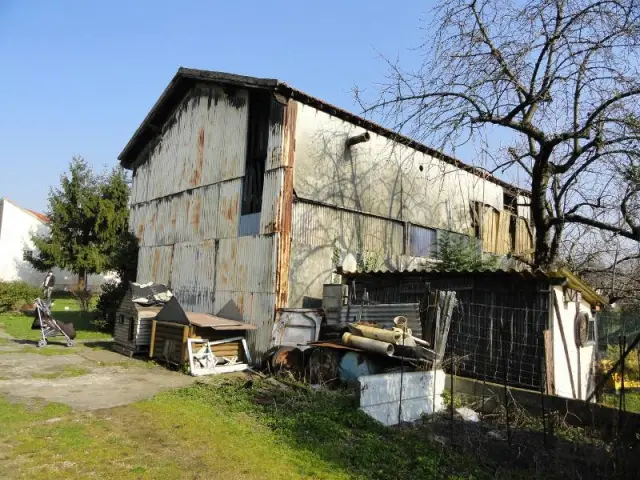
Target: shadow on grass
[61, 341]
[99, 345]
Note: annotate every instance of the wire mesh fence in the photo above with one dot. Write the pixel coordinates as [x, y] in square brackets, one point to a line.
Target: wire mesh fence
[499, 406]
[498, 344]
[612, 325]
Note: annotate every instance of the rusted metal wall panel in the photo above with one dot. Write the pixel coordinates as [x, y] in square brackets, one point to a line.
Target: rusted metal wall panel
[319, 225]
[229, 208]
[193, 275]
[203, 143]
[272, 201]
[209, 213]
[262, 315]
[154, 264]
[140, 184]
[246, 264]
[187, 217]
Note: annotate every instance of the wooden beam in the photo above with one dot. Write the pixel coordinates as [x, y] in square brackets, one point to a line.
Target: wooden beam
[183, 348]
[548, 362]
[153, 338]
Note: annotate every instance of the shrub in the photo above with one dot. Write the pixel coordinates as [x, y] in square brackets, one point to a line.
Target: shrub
[83, 296]
[113, 291]
[15, 294]
[459, 252]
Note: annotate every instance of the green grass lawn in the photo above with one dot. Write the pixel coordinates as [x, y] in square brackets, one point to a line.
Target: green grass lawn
[65, 310]
[221, 431]
[631, 399]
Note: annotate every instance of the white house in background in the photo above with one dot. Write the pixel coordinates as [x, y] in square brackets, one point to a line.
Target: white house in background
[16, 226]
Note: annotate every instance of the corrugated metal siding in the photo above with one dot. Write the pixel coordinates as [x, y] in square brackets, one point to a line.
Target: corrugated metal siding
[262, 315]
[271, 200]
[204, 143]
[193, 275]
[246, 264]
[383, 315]
[154, 264]
[209, 213]
[318, 225]
[229, 208]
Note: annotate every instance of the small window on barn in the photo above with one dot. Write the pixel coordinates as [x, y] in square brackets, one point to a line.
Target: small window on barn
[257, 138]
[513, 228]
[423, 242]
[510, 202]
[121, 319]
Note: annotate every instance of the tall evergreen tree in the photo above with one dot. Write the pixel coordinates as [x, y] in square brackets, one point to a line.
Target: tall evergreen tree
[88, 216]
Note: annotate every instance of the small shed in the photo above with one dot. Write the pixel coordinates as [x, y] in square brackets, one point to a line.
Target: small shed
[172, 327]
[527, 329]
[132, 331]
[134, 316]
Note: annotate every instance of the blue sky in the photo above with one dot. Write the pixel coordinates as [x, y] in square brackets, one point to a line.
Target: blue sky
[78, 77]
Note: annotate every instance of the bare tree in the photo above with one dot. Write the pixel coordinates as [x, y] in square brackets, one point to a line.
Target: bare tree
[558, 80]
[610, 263]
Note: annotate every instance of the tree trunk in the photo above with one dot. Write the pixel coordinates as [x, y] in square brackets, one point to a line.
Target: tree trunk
[539, 187]
[82, 279]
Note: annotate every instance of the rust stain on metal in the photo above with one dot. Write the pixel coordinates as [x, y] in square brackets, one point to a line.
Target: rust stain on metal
[285, 206]
[230, 207]
[197, 173]
[195, 219]
[240, 303]
[156, 264]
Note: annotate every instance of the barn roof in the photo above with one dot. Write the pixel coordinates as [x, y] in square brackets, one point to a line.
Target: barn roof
[186, 78]
[562, 275]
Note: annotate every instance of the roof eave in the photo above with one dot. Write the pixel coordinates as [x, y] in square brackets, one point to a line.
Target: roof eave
[178, 79]
[147, 127]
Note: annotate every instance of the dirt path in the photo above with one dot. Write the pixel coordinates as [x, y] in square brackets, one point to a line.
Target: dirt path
[82, 377]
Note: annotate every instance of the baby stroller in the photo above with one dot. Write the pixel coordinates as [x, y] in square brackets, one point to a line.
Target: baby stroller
[50, 327]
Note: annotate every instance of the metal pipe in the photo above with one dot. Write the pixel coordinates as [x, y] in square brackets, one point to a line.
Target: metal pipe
[368, 344]
[363, 137]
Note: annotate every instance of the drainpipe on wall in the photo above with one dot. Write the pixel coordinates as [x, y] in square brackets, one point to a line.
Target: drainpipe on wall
[363, 137]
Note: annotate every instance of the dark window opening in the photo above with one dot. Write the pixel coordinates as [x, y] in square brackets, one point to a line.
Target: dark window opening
[131, 328]
[512, 231]
[256, 160]
[510, 202]
[121, 319]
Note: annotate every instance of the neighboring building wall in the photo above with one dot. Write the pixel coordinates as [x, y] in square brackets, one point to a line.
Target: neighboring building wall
[187, 202]
[400, 189]
[580, 359]
[16, 227]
